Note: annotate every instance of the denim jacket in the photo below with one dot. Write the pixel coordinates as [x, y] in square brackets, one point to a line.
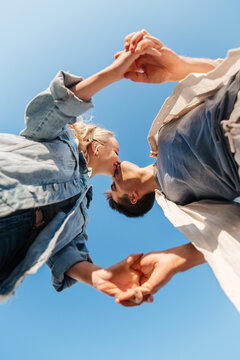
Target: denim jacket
[41, 167]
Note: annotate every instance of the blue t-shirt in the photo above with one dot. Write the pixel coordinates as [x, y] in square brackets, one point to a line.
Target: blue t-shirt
[194, 160]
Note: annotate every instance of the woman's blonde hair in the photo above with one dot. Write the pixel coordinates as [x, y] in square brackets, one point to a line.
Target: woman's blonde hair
[87, 133]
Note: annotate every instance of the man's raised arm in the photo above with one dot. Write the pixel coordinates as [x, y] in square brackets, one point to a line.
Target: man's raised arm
[162, 64]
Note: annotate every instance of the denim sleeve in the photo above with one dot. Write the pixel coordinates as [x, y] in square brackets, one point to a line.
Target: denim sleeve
[59, 263]
[50, 111]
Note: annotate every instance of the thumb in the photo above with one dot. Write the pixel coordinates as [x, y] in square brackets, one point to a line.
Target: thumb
[136, 76]
[133, 258]
[118, 54]
[151, 56]
[140, 297]
[124, 296]
[135, 296]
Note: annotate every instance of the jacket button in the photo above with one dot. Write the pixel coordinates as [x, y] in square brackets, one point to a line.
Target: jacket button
[65, 186]
[74, 182]
[55, 186]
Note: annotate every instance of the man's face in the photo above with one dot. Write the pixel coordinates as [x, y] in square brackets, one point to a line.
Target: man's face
[125, 180]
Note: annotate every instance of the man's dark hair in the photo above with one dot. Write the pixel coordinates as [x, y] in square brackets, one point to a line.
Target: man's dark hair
[124, 206]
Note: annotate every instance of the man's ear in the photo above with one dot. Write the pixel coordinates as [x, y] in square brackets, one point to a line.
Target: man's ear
[134, 197]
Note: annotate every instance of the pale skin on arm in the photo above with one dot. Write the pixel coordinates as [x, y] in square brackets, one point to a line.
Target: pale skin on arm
[85, 89]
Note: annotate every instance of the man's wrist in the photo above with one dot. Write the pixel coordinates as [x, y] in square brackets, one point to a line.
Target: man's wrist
[196, 65]
[185, 257]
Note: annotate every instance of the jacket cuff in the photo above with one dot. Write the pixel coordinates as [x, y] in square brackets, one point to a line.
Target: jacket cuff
[66, 101]
[60, 280]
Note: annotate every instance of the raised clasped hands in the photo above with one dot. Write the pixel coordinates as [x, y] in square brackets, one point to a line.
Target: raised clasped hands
[154, 63]
[144, 59]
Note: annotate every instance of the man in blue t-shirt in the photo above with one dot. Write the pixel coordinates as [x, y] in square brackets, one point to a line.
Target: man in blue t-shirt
[194, 160]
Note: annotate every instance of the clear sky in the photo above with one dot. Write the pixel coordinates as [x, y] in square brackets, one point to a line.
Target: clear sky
[191, 318]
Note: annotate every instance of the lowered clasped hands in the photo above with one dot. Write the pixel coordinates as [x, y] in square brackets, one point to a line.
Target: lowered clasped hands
[137, 278]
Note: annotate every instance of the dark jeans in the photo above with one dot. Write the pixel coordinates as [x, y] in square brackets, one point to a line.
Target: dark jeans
[15, 231]
[18, 231]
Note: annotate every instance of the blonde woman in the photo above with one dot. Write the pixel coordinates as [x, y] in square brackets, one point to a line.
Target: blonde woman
[44, 187]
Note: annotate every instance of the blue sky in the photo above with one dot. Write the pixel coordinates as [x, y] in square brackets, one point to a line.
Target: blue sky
[191, 318]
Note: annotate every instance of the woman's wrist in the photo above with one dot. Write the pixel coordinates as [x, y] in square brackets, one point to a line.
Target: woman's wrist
[83, 271]
[85, 89]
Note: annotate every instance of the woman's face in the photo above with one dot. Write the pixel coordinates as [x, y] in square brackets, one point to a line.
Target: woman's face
[108, 157]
